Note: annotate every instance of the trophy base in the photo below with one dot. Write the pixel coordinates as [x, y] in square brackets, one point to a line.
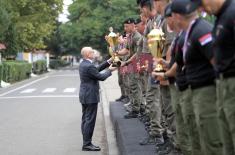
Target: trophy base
[116, 64]
[159, 70]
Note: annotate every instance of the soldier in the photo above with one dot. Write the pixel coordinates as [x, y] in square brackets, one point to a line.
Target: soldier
[182, 136]
[131, 50]
[153, 107]
[165, 96]
[224, 49]
[143, 76]
[197, 57]
[122, 74]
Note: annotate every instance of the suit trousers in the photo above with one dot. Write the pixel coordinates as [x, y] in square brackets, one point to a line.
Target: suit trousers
[89, 112]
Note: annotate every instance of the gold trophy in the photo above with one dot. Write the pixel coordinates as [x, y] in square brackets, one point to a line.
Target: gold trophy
[112, 39]
[156, 42]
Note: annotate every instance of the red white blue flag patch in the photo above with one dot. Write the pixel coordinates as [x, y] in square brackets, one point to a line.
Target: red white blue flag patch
[205, 39]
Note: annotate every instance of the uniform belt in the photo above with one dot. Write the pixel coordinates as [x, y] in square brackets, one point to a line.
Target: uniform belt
[182, 87]
[200, 85]
[226, 75]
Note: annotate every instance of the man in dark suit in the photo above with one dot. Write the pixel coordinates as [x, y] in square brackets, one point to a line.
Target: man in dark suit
[89, 94]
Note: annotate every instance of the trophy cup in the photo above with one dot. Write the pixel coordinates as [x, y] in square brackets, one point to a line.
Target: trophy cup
[156, 42]
[112, 39]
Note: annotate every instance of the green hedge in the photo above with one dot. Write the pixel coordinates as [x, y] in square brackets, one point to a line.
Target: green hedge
[0, 73]
[56, 63]
[39, 67]
[13, 71]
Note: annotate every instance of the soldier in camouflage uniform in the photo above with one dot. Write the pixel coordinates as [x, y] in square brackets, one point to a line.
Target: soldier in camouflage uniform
[165, 96]
[153, 107]
[131, 50]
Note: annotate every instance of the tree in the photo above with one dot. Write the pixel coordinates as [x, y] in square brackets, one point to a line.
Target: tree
[90, 21]
[25, 23]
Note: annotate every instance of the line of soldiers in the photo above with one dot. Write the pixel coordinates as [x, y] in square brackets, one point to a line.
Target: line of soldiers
[188, 109]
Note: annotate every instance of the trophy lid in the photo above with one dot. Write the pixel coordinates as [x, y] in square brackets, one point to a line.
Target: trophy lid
[112, 34]
[156, 34]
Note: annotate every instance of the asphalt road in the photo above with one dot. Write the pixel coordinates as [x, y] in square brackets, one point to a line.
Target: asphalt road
[42, 116]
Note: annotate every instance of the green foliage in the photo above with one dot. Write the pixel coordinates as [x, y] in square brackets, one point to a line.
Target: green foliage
[4, 21]
[13, 71]
[90, 21]
[1, 67]
[25, 23]
[39, 67]
[56, 63]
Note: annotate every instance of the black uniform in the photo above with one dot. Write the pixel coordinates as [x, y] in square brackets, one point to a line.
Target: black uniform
[181, 81]
[224, 48]
[200, 76]
[199, 71]
[224, 39]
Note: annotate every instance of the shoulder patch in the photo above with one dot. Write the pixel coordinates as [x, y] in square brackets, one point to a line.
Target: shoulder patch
[205, 39]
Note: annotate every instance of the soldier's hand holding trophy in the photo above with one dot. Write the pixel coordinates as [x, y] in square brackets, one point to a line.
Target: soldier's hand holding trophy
[156, 45]
[112, 40]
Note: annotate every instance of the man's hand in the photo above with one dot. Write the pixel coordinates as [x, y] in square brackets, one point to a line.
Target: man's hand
[110, 60]
[111, 68]
[161, 61]
[123, 63]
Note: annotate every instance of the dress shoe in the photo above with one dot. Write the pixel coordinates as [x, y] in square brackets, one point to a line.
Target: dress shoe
[90, 147]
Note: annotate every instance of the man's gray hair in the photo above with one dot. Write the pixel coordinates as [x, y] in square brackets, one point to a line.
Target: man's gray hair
[86, 50]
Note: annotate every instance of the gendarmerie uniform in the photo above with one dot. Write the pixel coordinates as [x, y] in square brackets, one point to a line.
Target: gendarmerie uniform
[199, 73]
[224, 49]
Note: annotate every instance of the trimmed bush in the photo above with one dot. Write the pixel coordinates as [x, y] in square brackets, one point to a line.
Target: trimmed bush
[56, 63]
[13, 71]
[0, 73]
[40, 67]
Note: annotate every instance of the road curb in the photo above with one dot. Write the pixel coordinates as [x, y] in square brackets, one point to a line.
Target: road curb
[110, 134]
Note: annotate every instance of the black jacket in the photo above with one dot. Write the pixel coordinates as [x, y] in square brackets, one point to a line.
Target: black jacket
[90, 76]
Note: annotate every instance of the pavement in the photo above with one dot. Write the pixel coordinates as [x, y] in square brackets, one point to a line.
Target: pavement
[42, 116]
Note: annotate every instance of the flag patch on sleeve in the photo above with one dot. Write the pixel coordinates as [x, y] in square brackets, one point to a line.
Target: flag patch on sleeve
[205, 39]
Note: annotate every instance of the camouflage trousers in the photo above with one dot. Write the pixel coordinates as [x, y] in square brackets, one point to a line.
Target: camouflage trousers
[168, 116]
[205, 110]
[143, 79]
[181, 138]
[226, 112]
[153, 107]
[135, 92]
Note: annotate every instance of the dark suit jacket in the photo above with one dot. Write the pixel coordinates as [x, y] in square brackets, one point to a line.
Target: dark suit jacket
[90, 77]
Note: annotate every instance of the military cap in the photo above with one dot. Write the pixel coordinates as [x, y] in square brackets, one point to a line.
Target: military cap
[146, 3]
[184, 6]
[129, 21]
[138, 2]
[168, 11]
[137, 21]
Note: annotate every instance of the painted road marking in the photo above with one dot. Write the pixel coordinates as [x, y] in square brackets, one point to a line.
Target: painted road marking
[69, 90]
[49, 90]
[28, 91]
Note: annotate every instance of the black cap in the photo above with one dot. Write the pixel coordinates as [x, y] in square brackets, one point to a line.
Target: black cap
[138, 2]
[146, 3]
[129, 21]
[137, 21]
[184, 6]
[168, 11]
